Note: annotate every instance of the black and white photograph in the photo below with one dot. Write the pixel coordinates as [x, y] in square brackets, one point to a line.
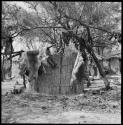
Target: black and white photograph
[61, 62]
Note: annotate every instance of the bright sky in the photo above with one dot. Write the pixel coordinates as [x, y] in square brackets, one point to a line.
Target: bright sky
[26, 6]
[21, 4]
[17, 44]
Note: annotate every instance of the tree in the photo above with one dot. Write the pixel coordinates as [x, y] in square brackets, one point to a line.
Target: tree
[92, 21]
[96, 15]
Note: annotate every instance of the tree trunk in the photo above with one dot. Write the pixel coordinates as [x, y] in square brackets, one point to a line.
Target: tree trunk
[62, 46]
[2, 75]
[100, 68]
[24, 81]
[11, 60]
[61, 58]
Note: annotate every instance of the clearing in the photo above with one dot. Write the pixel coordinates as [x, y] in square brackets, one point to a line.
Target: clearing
[94, 106]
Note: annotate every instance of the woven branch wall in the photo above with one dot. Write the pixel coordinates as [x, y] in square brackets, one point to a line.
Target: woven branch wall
[56, 81]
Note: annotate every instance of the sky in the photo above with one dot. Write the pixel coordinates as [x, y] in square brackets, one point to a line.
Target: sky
[16, 44]
[21, 4]
[26, 7]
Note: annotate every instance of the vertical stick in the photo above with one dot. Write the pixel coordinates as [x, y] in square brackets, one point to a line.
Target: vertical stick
[61, 59]
[3, 73]
[54, 33]
[11, 59]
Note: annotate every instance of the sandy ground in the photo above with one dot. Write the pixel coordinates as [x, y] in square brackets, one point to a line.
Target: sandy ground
[95, 106]
[91, 107]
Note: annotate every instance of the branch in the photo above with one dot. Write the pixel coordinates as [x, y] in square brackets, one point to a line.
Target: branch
[103, 45]
[107, 43]
[13, 52]
[83, 24]
[48, 35]
[33, 29]
[18, 33]
[13, 56]
[89, 36]
[86, 25]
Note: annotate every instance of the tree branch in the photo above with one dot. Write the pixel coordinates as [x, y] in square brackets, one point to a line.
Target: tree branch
[33, 29]
[86, 25]
[13, 56]
[13, 52]
[83, 24]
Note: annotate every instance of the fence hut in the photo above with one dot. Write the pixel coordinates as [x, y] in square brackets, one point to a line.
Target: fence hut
[57, 81]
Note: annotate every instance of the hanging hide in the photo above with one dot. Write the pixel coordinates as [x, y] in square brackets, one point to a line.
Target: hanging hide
[77, 74]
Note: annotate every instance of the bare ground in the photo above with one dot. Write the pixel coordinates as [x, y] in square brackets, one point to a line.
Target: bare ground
[94, 106]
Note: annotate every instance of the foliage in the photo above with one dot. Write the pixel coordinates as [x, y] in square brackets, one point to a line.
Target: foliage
[27, 24]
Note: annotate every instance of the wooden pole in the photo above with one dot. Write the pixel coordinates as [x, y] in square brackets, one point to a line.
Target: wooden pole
[11, 59]
[60, 66]
[62, 45]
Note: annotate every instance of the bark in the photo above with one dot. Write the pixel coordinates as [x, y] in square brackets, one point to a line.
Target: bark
[8, 53]
[2, 74]
[61, 59]
[2, 68]
[14, 56]
[100, 68]
[91, 52]
[24, 81]
[11, 60]
[62, 45]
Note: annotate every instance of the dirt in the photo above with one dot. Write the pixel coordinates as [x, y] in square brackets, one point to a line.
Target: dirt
[94, 106]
